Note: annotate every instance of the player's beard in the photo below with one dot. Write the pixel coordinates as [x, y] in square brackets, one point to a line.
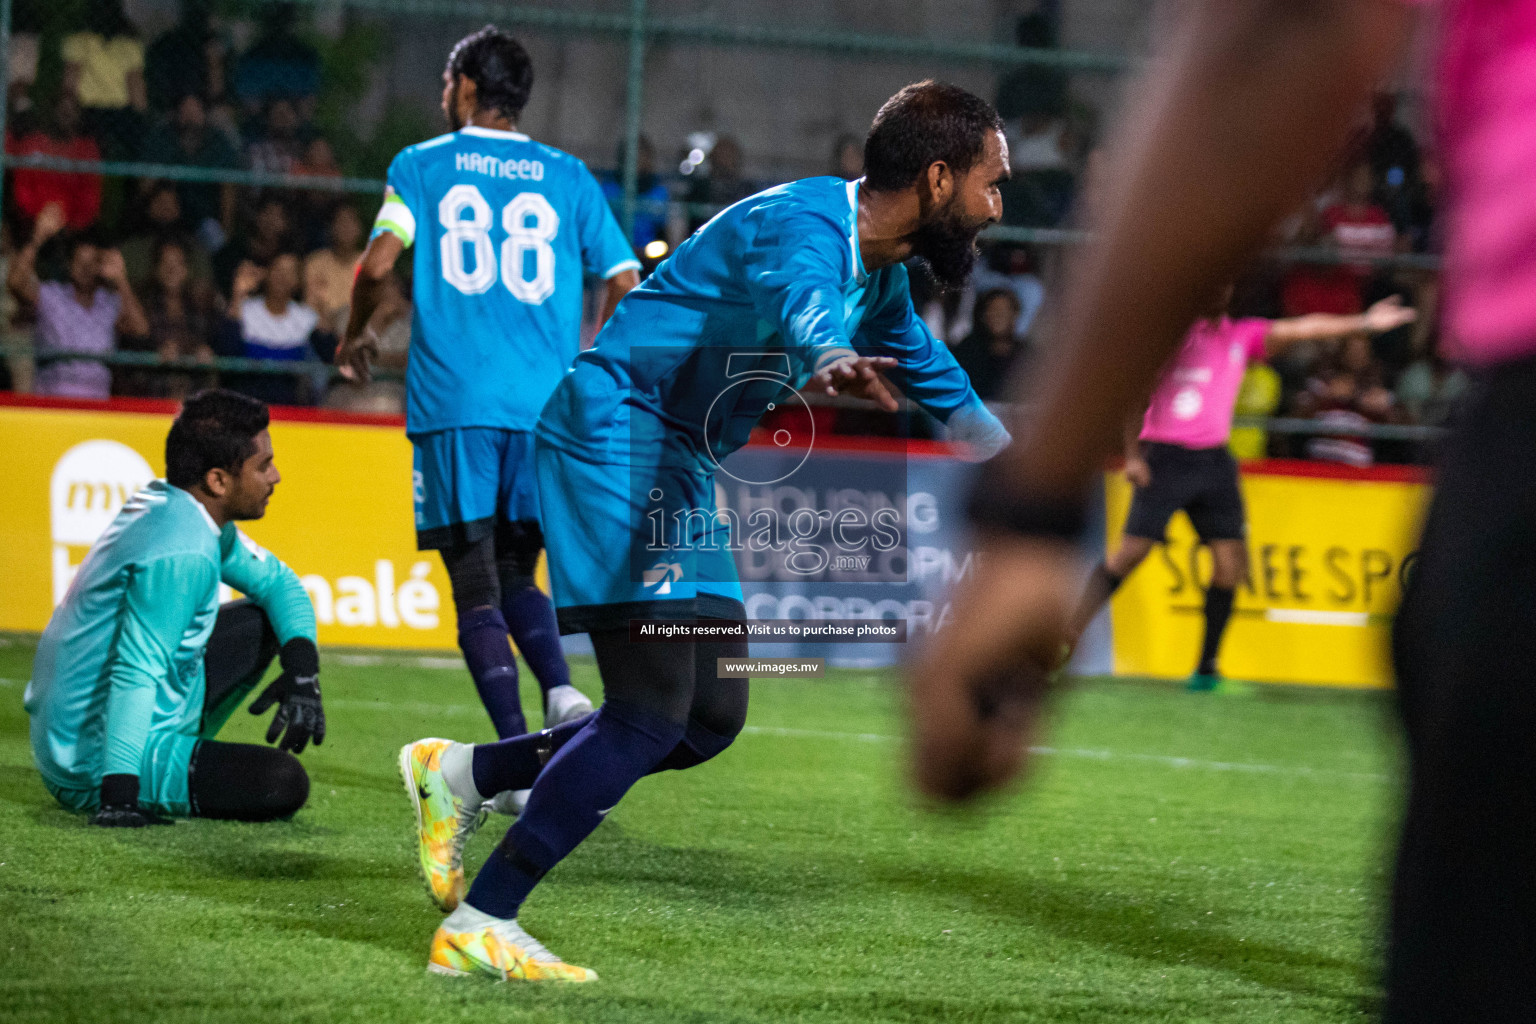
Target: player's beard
[946, 244]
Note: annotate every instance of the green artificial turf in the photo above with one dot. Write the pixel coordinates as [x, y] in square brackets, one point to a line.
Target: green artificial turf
[1174, 857]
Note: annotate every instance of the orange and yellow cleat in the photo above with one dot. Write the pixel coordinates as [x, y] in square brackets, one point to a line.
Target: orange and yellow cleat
[502, 950]
[444, 823]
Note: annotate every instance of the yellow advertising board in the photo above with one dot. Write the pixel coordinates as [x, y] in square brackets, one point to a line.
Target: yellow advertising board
[342, 517]
[1328, 557]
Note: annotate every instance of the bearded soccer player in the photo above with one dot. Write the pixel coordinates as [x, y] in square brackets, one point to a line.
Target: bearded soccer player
[503, 229]
[1244, 114]
[140, 666]
[1178, 460]
[806, 276]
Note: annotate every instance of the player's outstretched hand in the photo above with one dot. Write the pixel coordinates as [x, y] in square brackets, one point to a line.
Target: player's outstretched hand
[858, 376]
[1388, 315]
[300, 716]
[979, 686]
[355, 355]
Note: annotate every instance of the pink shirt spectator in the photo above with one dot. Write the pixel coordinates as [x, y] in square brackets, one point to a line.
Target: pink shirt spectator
[63, 325]
[1486, 114]
[1192, 405]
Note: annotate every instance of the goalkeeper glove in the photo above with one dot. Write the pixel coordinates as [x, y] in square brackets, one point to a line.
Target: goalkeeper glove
[120, 805]
[297, 695]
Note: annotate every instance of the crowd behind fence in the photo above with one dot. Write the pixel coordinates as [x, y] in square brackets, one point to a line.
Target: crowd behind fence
[175, 215]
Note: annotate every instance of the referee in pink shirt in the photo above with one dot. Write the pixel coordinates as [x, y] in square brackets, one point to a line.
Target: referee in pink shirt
[1179, 460]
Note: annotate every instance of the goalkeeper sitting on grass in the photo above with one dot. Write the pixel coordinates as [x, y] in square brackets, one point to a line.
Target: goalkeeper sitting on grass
[140, 666]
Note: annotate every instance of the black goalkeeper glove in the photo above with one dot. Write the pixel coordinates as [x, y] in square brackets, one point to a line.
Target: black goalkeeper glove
[120, 805]
[298, 691]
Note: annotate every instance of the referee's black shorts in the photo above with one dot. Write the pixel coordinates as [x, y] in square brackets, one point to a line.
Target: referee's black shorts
[1462, 942]
[1201, 482]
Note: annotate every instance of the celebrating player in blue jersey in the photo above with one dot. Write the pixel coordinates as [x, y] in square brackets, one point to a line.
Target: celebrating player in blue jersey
[507, 228]
[804, 280]
[140, 666]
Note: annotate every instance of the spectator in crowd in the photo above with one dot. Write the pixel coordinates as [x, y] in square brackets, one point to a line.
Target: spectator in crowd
[80, 315]
[104, 70]
[1428, 390]
[78, 195]
[1032, 101]
[270, 232]
[328, 272]
[1394, 159]
[162, 221]
[179, 307]
[315, 207]
[1347, 390]
[188, 139]
[848, 157]
[17, 367]
[21, 64]
[951, 313]
[651, 199]
[272, 325]
[1355, 227]
[990, 351]
[183, 60]
[278, 65]
[277, 148]
[1033, 91]
[1012, 267]
[724, 183]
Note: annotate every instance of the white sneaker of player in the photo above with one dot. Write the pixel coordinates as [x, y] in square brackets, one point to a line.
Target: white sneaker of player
[563, 704]
[509, 802]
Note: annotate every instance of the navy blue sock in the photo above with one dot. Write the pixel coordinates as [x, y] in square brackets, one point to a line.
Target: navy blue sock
[619, 745]
[514, 763]
[531, 619]
[483, 639]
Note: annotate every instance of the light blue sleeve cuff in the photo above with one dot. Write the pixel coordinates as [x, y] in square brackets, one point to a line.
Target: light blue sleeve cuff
[974, 426]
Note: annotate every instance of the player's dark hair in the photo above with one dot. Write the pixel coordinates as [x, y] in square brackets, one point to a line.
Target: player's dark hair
[216, 429]
[499, 67]
[923, 123]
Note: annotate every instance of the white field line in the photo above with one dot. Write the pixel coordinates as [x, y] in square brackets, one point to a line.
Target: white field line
[1077, 753]
[1316, 617]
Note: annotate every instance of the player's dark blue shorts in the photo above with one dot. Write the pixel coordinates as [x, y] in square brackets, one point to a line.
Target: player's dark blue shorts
[467, 479]
[633, 544]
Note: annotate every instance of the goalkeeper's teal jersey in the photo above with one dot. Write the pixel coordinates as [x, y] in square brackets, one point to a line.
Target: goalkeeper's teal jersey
[123, 655]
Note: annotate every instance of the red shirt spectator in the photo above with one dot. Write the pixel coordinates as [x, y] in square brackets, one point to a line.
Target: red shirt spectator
[78, 194]
[1355, 227]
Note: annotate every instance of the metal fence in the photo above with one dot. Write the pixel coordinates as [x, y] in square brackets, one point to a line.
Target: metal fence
[641, 28]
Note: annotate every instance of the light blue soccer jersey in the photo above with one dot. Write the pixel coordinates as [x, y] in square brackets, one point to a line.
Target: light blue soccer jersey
[771, 288]
[504, 229]
[119, 670]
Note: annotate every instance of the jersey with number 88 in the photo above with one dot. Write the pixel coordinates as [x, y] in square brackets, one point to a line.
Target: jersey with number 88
[530, 223]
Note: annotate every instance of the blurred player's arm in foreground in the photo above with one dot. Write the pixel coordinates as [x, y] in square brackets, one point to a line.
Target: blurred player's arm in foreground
[1386, 315]
[276, 589]
[1238, 118]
